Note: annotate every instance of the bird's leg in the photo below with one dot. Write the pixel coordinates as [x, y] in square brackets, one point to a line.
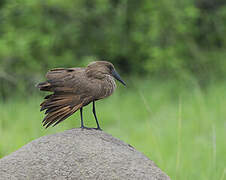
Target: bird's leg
[82, 125]
[94, 113]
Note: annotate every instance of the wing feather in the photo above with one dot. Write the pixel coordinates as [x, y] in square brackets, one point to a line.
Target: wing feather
[59, 107]
[70, 92]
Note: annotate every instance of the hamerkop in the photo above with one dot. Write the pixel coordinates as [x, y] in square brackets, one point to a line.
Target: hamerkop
[74, 88]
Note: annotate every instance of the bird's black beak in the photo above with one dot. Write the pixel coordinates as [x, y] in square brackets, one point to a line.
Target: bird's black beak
[116, 76]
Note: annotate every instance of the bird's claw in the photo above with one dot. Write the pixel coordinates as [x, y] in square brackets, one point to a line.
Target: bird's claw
[83, 127]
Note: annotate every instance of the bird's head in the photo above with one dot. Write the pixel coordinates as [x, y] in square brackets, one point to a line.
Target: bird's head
[100, 69]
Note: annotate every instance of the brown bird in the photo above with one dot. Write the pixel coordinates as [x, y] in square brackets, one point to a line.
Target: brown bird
[74, 88]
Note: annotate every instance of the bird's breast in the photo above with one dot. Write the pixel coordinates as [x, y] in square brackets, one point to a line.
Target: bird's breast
[108, 86]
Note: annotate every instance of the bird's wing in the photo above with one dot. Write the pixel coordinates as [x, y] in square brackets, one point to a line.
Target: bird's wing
[71, 89]
[62, 80]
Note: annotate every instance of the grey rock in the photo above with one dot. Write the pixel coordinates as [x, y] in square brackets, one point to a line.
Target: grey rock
[78, 154]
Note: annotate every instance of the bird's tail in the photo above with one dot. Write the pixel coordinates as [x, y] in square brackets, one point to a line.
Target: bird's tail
[59, 107]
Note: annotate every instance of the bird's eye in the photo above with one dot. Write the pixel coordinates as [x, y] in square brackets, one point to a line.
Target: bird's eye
[110, 67]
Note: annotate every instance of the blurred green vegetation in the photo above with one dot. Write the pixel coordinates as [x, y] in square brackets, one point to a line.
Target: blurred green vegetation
[182, 131]
[174, 39]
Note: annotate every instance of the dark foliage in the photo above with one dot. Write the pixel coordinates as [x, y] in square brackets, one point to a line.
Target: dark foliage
[174, 39]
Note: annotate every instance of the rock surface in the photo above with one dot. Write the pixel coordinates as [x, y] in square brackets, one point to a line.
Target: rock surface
[78, 154]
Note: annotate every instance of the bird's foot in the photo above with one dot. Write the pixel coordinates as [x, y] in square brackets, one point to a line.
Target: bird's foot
[98, 128]
[83, 127]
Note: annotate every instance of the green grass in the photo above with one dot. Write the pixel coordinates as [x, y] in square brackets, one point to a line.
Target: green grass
[181, 129]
